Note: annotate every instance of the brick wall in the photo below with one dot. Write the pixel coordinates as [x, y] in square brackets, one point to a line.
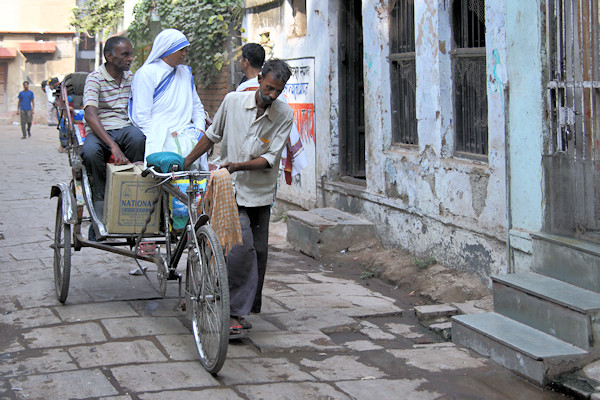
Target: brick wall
[213, 94]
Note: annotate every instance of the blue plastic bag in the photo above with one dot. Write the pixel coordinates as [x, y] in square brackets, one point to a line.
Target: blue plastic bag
[179, 211]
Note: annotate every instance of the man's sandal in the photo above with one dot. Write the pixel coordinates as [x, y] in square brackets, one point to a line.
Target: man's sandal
[245, 323]
[235, 330]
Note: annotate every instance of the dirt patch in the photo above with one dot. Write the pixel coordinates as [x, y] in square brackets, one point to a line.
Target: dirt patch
[423, 279]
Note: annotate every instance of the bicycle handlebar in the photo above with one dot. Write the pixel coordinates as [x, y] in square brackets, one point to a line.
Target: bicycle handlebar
[174, 175]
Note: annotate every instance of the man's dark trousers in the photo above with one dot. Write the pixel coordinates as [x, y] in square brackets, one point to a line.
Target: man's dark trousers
[247, 263]
[26, 119]
[96, 153]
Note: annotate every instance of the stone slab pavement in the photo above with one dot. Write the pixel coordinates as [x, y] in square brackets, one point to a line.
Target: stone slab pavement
[323, 334]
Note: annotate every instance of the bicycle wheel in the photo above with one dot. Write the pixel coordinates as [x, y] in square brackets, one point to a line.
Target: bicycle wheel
[207, 298]
[62, 254]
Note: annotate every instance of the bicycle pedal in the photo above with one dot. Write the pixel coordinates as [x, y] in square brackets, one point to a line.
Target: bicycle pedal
[147, 248]
[172, 275]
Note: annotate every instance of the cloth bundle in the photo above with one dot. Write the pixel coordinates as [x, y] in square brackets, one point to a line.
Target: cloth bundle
[221, 208]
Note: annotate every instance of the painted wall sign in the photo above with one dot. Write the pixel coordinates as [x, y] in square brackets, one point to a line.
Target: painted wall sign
[300, 94]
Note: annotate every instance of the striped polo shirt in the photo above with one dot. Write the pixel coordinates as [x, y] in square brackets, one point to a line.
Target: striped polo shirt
[102, 91]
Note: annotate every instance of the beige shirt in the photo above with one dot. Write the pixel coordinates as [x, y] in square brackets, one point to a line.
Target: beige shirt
[245, 138]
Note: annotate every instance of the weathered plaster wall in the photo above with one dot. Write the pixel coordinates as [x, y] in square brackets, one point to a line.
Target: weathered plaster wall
[422, 198]
[377, 93]
[524, 53]
[318, 43]
[427, 26]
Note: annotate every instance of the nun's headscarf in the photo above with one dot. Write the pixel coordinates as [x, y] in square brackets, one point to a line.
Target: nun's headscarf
[167, 42]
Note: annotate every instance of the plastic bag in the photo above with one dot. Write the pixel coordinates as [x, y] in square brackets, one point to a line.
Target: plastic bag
[183, 143]
[179, 210]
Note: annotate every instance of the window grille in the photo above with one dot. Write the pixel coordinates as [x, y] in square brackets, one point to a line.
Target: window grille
[35, 68]
[403, 72]
[469, 72]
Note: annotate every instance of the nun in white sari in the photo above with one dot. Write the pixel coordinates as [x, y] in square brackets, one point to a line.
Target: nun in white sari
[164, 103]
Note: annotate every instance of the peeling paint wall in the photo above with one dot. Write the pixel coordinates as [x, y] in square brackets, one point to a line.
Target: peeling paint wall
[437, 205]
[422, 198]
[318, 43]
[525, 55]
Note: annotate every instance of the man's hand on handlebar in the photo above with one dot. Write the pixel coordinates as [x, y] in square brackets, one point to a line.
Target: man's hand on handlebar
[231, 167]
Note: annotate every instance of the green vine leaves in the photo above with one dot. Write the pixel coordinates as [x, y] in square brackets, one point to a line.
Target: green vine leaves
[206, 23]
[97, 16]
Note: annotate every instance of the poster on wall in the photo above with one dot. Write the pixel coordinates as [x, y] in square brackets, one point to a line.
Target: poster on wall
[299, 92]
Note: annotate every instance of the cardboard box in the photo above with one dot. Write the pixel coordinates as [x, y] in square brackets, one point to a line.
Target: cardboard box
[128, 200]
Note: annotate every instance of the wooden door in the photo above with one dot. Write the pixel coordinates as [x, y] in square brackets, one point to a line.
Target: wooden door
[352, 104]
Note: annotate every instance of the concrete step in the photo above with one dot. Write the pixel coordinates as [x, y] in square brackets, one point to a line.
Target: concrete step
[323, 231]
[549, 305]
[567, 259]
[528, 352]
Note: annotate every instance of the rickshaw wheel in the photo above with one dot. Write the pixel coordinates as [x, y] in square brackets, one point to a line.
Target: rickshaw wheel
[207, 298]
[62, 254]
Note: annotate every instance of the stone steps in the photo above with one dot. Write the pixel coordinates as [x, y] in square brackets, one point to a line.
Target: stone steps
[567, 259]
[324, 231]
[528, 352]
[549, 305]
[545, 322]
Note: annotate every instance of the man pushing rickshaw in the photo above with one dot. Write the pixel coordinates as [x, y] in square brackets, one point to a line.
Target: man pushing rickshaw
[141, 119]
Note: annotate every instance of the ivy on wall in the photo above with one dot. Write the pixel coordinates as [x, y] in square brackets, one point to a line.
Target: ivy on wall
[206, 23]
[97, 17]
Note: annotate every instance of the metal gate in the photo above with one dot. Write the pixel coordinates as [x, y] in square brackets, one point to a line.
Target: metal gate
[573, 146]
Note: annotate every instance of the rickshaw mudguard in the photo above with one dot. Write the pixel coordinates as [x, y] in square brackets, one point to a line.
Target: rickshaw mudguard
[69, 205]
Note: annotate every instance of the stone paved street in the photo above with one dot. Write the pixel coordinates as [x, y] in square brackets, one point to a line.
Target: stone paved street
[323, 334]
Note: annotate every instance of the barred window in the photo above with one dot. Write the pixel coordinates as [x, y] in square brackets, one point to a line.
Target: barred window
[469, 73]
[403, 72]
[35, 68]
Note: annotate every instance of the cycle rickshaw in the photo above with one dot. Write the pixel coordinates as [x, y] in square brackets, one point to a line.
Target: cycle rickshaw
[206, 287]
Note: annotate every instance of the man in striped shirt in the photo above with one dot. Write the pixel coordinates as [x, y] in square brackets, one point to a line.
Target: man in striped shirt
[108, 128]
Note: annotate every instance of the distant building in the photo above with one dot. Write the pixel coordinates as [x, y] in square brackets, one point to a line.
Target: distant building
[464, 129]
[36, 42]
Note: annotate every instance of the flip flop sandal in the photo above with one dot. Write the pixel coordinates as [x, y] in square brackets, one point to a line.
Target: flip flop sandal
[245, 323]
[235, 332]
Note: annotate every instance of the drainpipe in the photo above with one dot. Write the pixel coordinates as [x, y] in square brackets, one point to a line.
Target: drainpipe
[510, 264]
[323, 190]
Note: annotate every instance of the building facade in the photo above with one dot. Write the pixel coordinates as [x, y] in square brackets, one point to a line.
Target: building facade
[462, 128]
[36, 43]
[409, 126]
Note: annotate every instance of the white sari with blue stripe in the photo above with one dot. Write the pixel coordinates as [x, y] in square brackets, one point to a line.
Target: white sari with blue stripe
[164, 103]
